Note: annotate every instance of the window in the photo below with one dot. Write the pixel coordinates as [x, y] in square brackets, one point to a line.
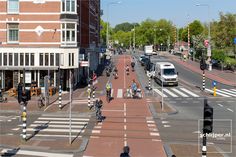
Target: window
[51, 59]
[72, 59]
[69, 34]
[57, 59]
[32, 59]
[26, 59]
[0, 59]
[46, 59]
[21, 59]
[13, 6]
[10, 59]
[69, 59]
[5, 59]
[15, 59]
[41, 59]
[68, 6]
[13, 32]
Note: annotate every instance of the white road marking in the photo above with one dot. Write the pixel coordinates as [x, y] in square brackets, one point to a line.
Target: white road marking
[154, 134]
[120, 93]
[217, 93]
[196, 132]
[230, 109]
[59, 126]
[164, 122]
[153, 129]
[189, 92]
[159, 92]
[98, 127]
[63, 119]
[58, 122]
[113, 110]
[233, 89]
[156, 140]
[54, 130]
[179, 92]
[170, 93]
[125, 127]
[230, 91]
[151, 125]
[150, 121]
[112, 90]
[36, 153]
[15, 129]
[220, 105]
[96, 131]
[167, 126]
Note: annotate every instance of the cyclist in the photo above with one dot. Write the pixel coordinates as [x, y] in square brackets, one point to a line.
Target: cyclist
[134, 88]
[108, 90]
[132, 65]
[127, 69]
[98, 106]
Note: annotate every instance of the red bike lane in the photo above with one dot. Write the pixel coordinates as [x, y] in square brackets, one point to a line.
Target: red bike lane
[128, 122]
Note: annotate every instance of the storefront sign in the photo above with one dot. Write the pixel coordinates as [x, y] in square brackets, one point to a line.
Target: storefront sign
[27, 77]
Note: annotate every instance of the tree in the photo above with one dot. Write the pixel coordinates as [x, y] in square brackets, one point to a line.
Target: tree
[126, 27]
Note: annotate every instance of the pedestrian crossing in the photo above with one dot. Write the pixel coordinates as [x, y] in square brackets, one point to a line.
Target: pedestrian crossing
[175, 92]
[56, 126]
[223, 92]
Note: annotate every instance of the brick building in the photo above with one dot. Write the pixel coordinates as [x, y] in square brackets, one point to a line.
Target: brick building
[41, 36]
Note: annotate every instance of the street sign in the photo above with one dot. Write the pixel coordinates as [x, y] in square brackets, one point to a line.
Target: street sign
[214, 83]
[235, 40]
[84, 63]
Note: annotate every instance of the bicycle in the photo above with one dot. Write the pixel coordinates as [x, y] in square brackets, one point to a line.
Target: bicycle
[41, 102]
[108, 98]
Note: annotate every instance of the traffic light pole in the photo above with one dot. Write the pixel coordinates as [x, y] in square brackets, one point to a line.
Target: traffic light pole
[204, 147]
[203, 80]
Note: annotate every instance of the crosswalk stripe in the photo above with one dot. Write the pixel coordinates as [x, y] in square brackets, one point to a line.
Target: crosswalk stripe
[63, 119]
[60, 126]
[112, 92]
[211, 91]
[35, 153]
[217, 90]
[179, 92]
[55, 130]
[233, 89]
[159, 92]
[58, 122]
[189, 92]
[170, 93]
[119, 93]
[233, 92]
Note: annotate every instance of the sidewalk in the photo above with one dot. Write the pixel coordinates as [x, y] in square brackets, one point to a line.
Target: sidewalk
[224, 77]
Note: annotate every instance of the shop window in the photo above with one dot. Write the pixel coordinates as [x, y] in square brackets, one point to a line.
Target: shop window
[15, 59]
[32, 59]
[46, 59]
[41, 59]
[10, 59]
[57, 59]
[5, 59]
[21, 59]
[51, 59]
[26, 59]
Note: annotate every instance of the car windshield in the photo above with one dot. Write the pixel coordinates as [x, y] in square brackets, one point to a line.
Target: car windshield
[169, 71]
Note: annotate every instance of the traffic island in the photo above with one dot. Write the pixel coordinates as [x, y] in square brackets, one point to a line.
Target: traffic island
[187, 150]
[165, 108]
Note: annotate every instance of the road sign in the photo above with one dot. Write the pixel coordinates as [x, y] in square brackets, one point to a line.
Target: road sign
[84, 63]
[214, 83]
[235, 40]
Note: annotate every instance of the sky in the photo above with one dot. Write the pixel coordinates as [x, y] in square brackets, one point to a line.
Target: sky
[180, 12]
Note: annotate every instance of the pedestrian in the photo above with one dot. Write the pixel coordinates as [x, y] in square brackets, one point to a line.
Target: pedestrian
[173, 155]
[125, 152]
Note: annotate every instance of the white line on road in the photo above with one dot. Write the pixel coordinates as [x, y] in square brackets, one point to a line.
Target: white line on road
[154, 134]
[65, 119]
[150, 121]
[217, 90]
[180, 93]
[189, 92]
[125, 127]
[166, 126]
[58, 122]
[35, 153]
[55, 130]
[211, 91]
[112, 110]
[119, 93]
[233, 92]
[230, 109]
[169, 92]
[159, 92]
[220, 105]
[59, 126]
[96, 131]
[164, 122]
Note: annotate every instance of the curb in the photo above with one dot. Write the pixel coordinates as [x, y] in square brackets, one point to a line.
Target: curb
[168, 150]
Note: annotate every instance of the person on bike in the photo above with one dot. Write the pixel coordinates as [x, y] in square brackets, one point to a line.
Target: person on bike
[108, 90]
[115, 74]
[134, 87]
[98, 106]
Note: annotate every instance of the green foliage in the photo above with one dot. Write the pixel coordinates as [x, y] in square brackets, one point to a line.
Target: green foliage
[218, 55]
[230, 61]
[126, 27]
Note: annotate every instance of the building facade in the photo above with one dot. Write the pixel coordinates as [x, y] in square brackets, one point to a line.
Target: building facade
[39, 37]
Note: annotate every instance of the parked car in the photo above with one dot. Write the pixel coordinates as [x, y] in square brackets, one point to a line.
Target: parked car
[141, 57]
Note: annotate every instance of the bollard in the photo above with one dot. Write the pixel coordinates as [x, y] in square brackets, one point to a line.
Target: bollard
[24, 116]
[60, 105]
[214, 90]
[93, 96]
[89, 93]
[149, 83]
[204, 148]
[203, 80]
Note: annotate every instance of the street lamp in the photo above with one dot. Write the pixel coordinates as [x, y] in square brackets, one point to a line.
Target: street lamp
[209, 35]
[134, 39]
[107, 34]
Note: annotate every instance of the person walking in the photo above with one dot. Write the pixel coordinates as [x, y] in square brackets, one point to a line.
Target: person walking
[125, 152]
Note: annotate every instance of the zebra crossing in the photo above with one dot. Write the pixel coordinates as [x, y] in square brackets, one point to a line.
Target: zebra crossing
[56, 126]
[175, 92]
[223, 92]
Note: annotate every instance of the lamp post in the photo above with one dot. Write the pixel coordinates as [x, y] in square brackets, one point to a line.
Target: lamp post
[107, 33]
[134, 38]
[209, 35]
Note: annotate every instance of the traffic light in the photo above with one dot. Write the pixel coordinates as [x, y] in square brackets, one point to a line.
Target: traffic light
[208, 118]
[202, 64]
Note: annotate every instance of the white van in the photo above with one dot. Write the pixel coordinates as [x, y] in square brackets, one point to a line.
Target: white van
[166, 71]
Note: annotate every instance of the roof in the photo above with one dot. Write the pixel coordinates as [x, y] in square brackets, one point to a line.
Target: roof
[165, 65]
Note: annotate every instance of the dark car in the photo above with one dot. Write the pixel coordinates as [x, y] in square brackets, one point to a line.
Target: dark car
[148, 66]
[144, 61]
